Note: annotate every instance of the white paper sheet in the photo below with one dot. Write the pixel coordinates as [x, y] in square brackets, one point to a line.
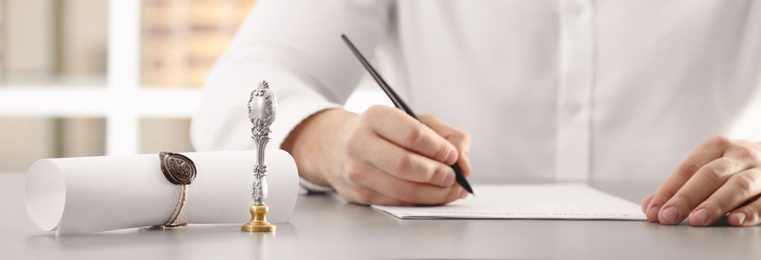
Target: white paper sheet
[543, 201]
[92, 194]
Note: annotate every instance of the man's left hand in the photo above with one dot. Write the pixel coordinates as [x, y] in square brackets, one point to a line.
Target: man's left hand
[721, 176]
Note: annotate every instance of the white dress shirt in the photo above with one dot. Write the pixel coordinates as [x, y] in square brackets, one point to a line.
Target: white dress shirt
[550, 90]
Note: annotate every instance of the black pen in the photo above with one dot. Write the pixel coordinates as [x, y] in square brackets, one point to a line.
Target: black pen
[459, 176]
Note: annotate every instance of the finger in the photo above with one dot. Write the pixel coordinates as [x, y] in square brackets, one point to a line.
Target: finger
[357, 193]
[707, 180]
[645, 202]
[364, 196]
[704, 153]
[392, 159]
[406, 191]
[747, 215]
[739, 189]
[417, 193]
[459, 138]
[399, 128]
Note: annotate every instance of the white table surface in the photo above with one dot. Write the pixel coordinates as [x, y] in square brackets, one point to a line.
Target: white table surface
[326, 227]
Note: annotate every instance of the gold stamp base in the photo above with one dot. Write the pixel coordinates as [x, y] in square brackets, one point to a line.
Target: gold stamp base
[258, 221]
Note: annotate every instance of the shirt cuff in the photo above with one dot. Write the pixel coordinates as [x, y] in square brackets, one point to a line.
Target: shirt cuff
[313, 188]
[292, 112]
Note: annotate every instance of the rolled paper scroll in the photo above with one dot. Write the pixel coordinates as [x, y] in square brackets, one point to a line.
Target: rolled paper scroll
[93, 194]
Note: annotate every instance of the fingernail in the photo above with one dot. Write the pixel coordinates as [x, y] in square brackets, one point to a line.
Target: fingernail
[671, 214]
[463, 194]
[654, 212]
[702, 215]
[451, 158]
[740, 217]
[448, 179]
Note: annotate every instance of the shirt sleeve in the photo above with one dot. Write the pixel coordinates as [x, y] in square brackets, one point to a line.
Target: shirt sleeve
[294, 45]
[311, 188]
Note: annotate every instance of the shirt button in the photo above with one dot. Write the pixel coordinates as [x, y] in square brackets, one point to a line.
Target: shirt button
[572, 107]
[574, 7]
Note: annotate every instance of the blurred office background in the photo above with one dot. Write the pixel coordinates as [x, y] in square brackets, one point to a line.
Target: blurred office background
[99, 77]
[55, 74]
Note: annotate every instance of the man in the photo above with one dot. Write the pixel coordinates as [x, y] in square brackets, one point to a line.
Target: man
[547, 90]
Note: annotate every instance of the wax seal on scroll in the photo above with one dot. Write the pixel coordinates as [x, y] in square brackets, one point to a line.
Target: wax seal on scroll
[177, 168]
[180, 170]
[262, 106]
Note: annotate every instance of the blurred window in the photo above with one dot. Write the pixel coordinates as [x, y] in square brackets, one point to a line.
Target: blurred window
[77, 82]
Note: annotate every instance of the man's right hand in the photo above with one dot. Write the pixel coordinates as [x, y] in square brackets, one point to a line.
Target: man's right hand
[382, 156]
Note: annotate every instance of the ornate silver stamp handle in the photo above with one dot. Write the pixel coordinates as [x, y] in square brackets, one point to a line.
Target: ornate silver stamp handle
[262, 107]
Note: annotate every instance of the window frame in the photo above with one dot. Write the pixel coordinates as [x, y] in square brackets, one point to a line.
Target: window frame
[122, 101]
